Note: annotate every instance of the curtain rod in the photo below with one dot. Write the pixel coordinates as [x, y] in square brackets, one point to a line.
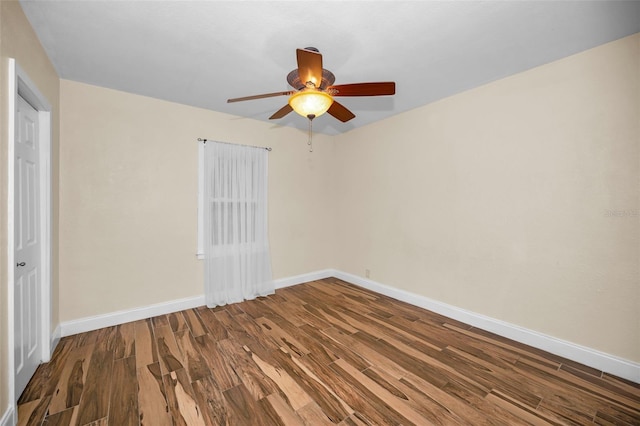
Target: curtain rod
[268, 148]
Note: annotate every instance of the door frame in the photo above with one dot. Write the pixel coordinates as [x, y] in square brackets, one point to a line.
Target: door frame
[21, 85]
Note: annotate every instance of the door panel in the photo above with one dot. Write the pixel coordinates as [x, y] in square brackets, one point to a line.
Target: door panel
[27, 303]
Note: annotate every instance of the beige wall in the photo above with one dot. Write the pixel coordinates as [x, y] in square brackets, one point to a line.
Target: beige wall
[495, 200]
[17, 40]
[128, 198]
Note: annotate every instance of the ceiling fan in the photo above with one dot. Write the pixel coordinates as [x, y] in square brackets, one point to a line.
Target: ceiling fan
[314, 90]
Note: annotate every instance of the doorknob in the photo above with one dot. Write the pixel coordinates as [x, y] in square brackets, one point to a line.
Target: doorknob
[21, 264]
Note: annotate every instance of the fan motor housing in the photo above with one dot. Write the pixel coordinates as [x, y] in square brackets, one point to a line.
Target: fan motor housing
[294, 80]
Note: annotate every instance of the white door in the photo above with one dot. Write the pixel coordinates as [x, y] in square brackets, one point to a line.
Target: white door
[27, 303]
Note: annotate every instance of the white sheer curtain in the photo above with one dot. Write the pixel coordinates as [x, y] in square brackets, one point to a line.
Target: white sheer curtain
[236, 246]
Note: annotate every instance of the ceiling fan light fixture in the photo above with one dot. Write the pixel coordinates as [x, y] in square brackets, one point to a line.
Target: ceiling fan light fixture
[310, 102]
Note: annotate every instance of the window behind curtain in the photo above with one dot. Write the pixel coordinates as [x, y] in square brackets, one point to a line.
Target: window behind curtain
[233, 223]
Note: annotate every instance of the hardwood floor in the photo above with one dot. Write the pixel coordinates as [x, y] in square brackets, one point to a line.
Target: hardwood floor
[320, 353]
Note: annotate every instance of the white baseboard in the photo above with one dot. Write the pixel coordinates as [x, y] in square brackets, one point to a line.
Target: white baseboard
[304, 278]
[8, 418]
[55, 338]
[602, 361]
[82, 325]
[599, 360]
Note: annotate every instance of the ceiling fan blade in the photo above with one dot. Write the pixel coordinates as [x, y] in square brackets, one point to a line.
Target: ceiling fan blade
[265, 95]
[309, 66]
[281, 112]
[364, 89]
[340, 112]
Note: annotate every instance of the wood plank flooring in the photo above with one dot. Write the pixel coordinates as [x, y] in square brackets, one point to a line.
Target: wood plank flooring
[319, 353]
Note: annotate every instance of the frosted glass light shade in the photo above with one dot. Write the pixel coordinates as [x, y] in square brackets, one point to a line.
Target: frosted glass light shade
[310, 102]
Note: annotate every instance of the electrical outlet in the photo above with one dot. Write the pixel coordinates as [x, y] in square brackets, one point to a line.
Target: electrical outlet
[367, 273]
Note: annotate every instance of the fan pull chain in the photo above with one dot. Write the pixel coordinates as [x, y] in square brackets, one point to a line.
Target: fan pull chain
[310, 142]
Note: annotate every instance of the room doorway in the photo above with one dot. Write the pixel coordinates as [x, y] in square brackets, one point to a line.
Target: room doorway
[29, 236]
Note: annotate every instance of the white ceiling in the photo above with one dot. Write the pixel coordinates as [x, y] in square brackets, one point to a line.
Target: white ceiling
[201, 53]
